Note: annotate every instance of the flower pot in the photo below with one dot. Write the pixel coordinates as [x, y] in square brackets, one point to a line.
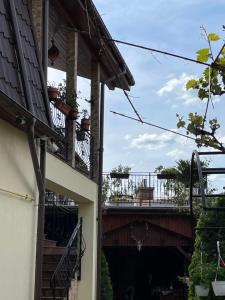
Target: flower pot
[81, 136]
[120, 175]
[166, 176]
[201, 291]
[85, 124]
[62, 106]
[218, 288]
[73, 114]
[52, 92]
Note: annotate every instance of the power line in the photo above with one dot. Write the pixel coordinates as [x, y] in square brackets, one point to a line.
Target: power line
[157, 51]
[136, 112]
[153, 125]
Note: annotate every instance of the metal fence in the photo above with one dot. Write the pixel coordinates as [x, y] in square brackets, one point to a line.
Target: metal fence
[143, 190]
[83, 143]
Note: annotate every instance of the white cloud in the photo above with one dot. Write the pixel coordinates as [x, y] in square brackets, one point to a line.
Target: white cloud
[176, 87]
[177, 154]
[153, 141]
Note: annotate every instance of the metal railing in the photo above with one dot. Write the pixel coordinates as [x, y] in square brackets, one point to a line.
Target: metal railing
[69, 264]
[143, 190]
[61, 216]
[83, 143]
[209, 199]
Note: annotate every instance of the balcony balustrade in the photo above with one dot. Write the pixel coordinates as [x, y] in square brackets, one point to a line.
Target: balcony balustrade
[83, 143]
[143, 190]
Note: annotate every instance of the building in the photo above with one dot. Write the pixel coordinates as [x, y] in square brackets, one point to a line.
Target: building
[30, 134]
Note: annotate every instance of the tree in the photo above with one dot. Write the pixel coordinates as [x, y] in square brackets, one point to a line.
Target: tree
[212, 82]
[106, 286]
[204, 259]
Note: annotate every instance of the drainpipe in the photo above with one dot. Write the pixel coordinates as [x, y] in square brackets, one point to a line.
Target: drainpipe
[40, 169]
[100, 181]
[100, 169]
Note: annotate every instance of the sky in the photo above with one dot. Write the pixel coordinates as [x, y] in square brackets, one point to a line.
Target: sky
[159, 93]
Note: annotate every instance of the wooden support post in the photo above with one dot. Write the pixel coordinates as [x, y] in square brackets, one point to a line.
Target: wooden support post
[71, 84]
[95, 117]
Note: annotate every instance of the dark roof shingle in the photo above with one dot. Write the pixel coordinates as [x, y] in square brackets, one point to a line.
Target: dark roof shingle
[11, 76]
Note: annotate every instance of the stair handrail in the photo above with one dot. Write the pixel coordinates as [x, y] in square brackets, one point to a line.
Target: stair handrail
[64, 261]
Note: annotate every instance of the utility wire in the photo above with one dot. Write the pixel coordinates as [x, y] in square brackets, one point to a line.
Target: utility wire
[136, 112]
[213, 65]
[153, 125]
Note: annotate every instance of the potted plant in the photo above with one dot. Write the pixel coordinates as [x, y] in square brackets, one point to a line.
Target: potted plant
[53, 91]
[69, 97]
[201, 275]
[85, 121]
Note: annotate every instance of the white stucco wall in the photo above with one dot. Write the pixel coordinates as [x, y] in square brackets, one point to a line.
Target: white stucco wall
[17, 216]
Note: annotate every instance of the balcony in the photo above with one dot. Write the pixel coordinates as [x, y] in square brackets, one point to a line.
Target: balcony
[83, 143]
[143, 190]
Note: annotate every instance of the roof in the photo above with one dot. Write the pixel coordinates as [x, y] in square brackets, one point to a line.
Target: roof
[21, 79]
[98, 44]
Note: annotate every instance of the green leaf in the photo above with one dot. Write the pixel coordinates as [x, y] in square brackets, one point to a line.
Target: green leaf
[221, 61]
[202, 58]
[202, 94]
[213, 37]
[191, 84]
[203, 51]
[223, 51]
[180, 124]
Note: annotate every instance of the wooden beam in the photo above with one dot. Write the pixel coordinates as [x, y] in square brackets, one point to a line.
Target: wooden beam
[71, 84]
[95, 117]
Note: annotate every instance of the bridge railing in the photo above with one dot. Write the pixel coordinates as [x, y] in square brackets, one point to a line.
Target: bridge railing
[143, 190]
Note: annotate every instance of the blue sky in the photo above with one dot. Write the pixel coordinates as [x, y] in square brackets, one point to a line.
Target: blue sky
[159, 92]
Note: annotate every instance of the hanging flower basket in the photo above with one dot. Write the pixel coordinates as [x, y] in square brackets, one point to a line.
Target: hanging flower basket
[166, 176]
[201, 291]
[81, 136]
[85, 124]
[62, 106]
[120, 175]
[218, 288]
[53, 92]
[73, 114]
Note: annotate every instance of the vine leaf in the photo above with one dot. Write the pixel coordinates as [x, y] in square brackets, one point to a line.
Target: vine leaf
[213, 37]
[191, 84]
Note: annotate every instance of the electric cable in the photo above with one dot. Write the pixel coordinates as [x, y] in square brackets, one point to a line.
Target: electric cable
[153, 125]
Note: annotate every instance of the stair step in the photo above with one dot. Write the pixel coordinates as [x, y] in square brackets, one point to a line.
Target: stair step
[47, 292]
[49, 250]
[47, 243]
[51, 298]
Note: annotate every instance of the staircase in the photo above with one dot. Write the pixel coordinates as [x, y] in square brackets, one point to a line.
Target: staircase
[51, 257]
[60, 264]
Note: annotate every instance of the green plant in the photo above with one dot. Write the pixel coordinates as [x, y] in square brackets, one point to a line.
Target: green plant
[106, 286]
[206, 243]
[212, 82]
[85, 114]
[68, 95]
